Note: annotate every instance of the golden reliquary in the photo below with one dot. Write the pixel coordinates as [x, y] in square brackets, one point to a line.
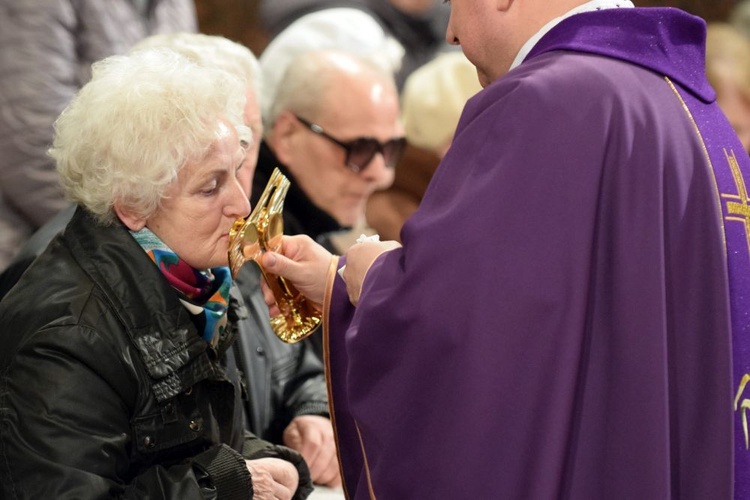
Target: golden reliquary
[261, 232]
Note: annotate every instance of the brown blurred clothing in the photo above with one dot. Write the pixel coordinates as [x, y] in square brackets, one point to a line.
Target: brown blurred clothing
[388, 210]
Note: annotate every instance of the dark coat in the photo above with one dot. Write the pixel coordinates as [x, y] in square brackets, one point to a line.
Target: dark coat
[107, 389]
[279, 381]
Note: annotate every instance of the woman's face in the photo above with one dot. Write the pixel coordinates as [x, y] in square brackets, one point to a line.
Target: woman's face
[201, 205]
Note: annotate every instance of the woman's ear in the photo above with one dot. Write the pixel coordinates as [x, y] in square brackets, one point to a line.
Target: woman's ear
[129, 218]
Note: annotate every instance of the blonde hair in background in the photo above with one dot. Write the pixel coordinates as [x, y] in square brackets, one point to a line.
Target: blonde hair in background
[727, 57]
[141, 118]
[433, 98]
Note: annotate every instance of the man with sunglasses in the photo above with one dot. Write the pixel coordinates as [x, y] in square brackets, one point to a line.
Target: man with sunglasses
[334, 129]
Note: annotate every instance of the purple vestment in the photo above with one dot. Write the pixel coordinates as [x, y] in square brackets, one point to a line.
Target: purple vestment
[557, 323]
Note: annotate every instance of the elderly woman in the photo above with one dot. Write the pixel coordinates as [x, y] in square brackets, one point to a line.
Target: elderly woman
[111, 375]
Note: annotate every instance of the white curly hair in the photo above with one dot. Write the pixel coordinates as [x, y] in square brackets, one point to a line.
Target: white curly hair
[210, 50]
[141, 118]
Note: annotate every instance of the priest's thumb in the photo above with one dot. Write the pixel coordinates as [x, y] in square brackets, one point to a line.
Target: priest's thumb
[269, 261]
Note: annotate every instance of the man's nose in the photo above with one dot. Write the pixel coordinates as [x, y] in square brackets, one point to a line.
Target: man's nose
[450, 37]
[378, 173]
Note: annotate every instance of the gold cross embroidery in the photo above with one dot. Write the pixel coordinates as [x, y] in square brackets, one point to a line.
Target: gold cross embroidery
[745, 405]
[739, 207]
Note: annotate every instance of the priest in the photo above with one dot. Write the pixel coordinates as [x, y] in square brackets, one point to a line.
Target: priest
[562, 317]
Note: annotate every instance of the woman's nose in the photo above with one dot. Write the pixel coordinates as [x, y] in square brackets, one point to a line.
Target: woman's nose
[239, 204]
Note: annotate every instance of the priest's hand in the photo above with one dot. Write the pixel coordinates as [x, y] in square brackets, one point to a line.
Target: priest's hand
[304, 263]
[359, 258]
[272, 478]
[312, 437]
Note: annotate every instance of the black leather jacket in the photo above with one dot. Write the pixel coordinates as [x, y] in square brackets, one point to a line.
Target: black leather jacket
[107, 390]
[281, 381]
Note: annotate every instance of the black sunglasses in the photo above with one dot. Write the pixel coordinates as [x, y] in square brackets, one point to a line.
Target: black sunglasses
[361, 151]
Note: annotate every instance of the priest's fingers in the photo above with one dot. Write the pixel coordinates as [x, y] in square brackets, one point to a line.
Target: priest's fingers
[269, 299]
[359, 258]
[302, 262]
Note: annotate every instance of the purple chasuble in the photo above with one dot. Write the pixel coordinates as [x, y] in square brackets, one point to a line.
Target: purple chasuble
[557, 323]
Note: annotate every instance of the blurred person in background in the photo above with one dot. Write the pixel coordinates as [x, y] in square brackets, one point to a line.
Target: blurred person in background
[728, 71]
[739, 17]
[417, 25]
[334, 130]
[342, 29]
[46, 52]
[432, 101]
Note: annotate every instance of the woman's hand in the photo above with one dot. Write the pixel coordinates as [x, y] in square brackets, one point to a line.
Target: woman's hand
[273, 478]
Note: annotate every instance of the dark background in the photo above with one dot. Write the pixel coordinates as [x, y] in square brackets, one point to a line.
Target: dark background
[237, 19]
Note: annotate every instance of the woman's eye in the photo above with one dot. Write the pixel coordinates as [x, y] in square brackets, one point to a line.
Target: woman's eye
[208, 190]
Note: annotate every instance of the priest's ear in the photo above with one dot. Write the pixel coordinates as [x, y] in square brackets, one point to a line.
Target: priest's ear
[129, 217]
[503, 5]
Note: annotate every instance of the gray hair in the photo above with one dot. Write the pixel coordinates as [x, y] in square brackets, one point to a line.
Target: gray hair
[210, 50]
[141, 118]
[345, 28]
[310, 76]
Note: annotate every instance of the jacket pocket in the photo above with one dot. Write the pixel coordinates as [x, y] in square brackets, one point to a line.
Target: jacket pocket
[177, 424]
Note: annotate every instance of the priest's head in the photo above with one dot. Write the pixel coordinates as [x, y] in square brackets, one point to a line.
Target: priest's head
[491, 32]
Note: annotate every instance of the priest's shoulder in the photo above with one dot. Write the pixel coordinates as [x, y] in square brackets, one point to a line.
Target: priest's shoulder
[563, 79]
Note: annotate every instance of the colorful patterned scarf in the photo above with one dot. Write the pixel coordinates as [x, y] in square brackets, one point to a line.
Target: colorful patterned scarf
[205, 294]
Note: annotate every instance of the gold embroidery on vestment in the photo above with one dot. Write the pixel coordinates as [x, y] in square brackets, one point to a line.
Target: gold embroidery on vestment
[737, 208]
[745, 405]
[738, 205]
[705, 152]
